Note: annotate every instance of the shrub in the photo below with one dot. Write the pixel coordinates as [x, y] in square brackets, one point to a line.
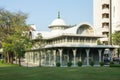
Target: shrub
[115, 65]
[101, 63]
[92, 63]
[58, 64]
[2, 61]
[69, 64]
[79, 63]
[111, 63]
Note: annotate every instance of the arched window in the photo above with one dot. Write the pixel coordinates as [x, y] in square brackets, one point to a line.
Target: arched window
[85, 30]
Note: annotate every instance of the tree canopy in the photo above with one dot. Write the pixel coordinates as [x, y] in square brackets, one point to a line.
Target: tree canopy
[13, 34]
[116, 38]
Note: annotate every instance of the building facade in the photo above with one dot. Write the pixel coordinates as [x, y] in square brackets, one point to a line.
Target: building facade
[65, 44]
[106, 17]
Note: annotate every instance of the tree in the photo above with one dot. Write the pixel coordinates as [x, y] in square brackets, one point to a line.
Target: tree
[116, 38]
[21, 47]
[13, 34]
[99, 42]
[41, 44]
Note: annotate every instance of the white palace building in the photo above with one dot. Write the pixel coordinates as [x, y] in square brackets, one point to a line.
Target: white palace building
[66, 43]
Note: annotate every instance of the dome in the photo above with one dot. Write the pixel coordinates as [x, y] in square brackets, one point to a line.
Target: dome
[58, 22]
[32, 27]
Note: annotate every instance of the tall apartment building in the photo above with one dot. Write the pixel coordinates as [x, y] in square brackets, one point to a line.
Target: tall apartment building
[106, 18]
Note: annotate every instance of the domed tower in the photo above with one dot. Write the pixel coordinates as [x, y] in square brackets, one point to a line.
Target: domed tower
[32, 27]
[58, 24]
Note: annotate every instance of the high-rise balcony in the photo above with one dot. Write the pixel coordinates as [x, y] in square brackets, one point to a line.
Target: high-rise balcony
[106, 10]
[104, 39]
[105, 1]
[105, 20]
[105, 29]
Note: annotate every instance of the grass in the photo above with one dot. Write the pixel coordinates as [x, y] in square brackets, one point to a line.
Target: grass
[14, 72]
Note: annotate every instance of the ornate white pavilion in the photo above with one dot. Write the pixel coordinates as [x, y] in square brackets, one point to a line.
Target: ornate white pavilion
[66, 43]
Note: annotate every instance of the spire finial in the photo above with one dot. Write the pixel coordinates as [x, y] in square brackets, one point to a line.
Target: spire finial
[58, 14]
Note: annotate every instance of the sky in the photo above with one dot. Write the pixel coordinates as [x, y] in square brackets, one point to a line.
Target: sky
[43, 12]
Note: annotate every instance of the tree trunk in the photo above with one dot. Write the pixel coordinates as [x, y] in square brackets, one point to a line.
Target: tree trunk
[16, 59]
[40, 59]
[5, 57]
[19, 60]
[10, 57]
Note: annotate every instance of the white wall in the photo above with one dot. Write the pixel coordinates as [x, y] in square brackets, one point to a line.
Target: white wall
[97, 16]
[115, 14]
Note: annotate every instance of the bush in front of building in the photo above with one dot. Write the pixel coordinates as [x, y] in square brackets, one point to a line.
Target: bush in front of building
[91, 63]
[2, 61]
[101, 63]
[58, 64]
[79, 63]
[111, 63]
[69, 64]
[115, 65]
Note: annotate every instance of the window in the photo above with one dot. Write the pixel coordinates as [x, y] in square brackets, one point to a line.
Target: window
[105, 6]
[105, 15]
[105, 33]
[105, 25]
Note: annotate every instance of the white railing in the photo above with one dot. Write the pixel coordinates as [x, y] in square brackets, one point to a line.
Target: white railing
[105, 1]
[105, 10]
[105, 29]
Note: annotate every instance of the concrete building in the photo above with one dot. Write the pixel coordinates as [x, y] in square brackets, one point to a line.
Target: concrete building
[106, 18]
[67, 44]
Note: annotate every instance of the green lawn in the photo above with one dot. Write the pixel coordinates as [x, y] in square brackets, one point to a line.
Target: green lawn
[14, 72]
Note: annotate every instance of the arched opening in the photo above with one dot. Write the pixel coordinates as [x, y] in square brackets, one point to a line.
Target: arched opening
[85, 30]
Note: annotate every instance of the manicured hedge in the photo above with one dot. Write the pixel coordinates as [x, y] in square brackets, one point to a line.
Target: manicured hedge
[79, 63]
[69, 64]
[58, 64]
[92, 63]
[101, 64]
[114, 65]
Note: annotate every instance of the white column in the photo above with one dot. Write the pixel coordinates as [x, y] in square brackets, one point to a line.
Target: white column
[33, 57]
[100, 52]
[68, 56]
[49, 58]
[66, 40]
[80, 57]
[28, 58]
[40, 56]
[54, 53]
[49, 54]
[87, 52]
[45, 58]
[74, 54]
[60, 50]
[72, 40]
[111, 54]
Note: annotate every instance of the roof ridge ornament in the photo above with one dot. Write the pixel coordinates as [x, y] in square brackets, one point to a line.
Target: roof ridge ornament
[58, 14]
